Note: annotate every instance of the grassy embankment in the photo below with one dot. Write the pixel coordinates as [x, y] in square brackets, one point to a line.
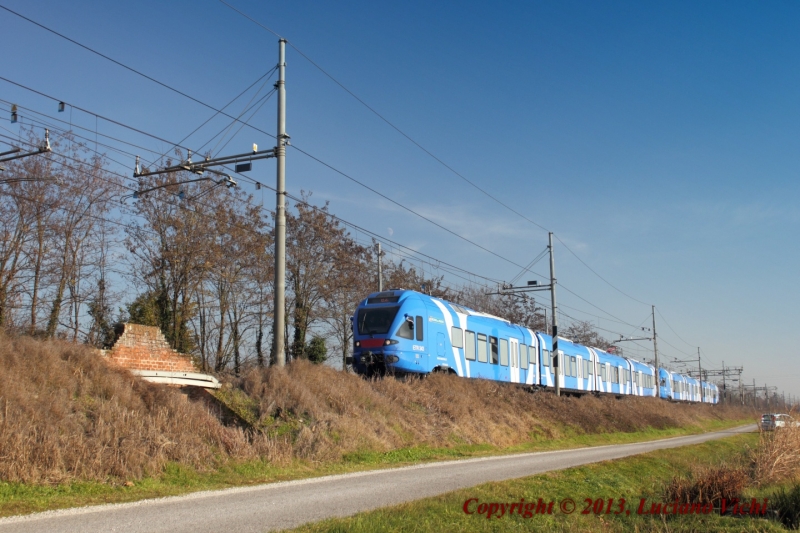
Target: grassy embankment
[746, 467]
[74, 431]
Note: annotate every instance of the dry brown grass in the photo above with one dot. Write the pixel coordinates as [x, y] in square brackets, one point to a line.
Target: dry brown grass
[708, 485]
[331, 413]
[776, 458]
[66, 415]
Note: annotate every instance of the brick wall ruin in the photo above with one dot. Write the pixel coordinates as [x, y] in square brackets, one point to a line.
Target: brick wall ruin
[145, 348]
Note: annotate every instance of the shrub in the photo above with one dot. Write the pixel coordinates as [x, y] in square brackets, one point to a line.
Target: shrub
[708, 485]
[786, 503]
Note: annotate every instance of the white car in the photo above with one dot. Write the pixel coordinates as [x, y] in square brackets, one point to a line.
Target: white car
[771, 422]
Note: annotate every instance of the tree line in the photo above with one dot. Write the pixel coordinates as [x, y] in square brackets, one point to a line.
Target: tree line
[199, 256]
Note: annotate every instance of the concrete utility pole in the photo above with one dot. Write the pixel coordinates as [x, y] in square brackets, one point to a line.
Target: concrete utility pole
[380, 269]
[279, 324]
[556, 362]
[655, 353]
[546, 323]
[700, 374]
[741, 389]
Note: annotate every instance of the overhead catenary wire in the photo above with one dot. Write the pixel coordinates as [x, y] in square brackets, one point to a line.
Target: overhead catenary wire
[336, 170]
[335, 81]
[424, 149]
[565, 288]
[374, 191]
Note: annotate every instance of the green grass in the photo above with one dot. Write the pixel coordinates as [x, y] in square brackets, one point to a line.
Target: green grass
[631, 478]
[19, 498]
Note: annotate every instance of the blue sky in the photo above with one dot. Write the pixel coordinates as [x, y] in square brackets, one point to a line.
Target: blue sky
[658, 141]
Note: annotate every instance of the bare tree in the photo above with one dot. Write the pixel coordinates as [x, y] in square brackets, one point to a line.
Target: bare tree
[318, 245]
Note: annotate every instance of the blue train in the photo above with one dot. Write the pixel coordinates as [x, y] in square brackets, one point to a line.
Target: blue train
[407, 332]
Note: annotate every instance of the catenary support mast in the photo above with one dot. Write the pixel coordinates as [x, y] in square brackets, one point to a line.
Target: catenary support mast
[380, 269]
[279, 323]
[655, 354]
[556, 362]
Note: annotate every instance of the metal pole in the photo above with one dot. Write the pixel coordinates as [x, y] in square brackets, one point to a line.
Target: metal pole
[380, 270]
[546, 326]
[279, 324]
[741, 388]
[700, 374]
[754, 392]
[724, 388]
[555, 314]
[655, 353]
[766, 396]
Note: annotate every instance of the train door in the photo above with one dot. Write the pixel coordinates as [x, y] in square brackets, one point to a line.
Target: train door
[440, 344]
[532, 368]
[579, 373]
[513, 359]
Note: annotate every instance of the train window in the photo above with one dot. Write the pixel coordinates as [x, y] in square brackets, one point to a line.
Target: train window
[469, 349]
[418, 329]
[504, 352]
[376, 321]
[405, 331]
[545, 357]
[493, 348]
[514, 354]
[457, 337]
[585, 368]
[523, 356]
[482, 356]
[572, 368]
[603, 376]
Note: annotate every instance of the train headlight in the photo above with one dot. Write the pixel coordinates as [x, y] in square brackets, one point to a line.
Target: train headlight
[358, 344]
[389, 342]
[392, 359]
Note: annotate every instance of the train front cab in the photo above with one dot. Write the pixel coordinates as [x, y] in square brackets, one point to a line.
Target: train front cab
[389, 334]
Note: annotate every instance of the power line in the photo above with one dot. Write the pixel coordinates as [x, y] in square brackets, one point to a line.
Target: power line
[331, 167]
[89, 49]
[425, 150]
[374, 191]
[302, 202]
[598, 275]
[672, 330]
[338, 172]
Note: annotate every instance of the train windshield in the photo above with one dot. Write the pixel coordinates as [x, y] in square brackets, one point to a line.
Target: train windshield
[376, 321]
